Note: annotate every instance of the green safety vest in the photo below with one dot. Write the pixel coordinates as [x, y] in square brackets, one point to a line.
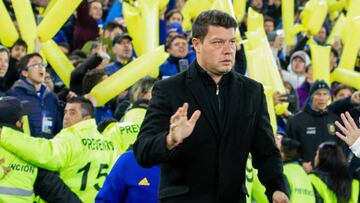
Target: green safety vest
[249, 177]
[17, 186]
[301, 189]
[258, 190]
[81, 155]
[328, 195]
[136, 115]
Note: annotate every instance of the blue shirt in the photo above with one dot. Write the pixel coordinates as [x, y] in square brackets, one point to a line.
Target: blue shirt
[130, 183]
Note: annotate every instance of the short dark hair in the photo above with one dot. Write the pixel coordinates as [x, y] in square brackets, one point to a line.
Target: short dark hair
[172, 12]
[341, 87]
[87, 108]
[112, 25]
[140, 88]
[268, 18]
[20, 42]
[91, 79]
[291, 148]
[6, 50]
[25, 60]
[171, 39]
[214, 18]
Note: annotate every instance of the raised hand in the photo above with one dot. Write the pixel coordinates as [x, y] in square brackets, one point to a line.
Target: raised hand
[350, 132]
[180, 126]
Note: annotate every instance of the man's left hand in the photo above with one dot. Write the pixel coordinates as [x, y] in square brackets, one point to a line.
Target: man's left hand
[280, 197]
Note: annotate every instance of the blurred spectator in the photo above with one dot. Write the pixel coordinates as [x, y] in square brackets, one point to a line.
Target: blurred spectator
[276, 41]
[45, 116]
[4, 65]
[48, 81]
[269, 24]
[314, 124]
[87, 20]
[320, 37]
[173, 16]
[173, 29]
[342, 91]
[304, 89]
[65, 48]
[296, 72]
[123, 49]
[179, 59]
[331, 177]
[334, 57]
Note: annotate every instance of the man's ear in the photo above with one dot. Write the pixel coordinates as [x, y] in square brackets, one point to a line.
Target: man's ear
[24, 73]
[196, 44]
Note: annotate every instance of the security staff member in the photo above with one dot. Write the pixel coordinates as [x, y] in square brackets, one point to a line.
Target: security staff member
[81, 155]
[19, 180]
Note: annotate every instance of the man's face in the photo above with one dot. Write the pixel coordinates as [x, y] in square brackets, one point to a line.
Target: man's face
[216, 53]
[257, 4]
[268, 26]
[116, 31]
[95, 10]
[175, 18]
[35, 72]
[18, 52]
[72, 114]
[178, 48]
[123, 49]
[321, 35]
[4, 63]
[298, 65]
[320, 99]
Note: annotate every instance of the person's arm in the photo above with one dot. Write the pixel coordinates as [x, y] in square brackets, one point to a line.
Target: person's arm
[78, 73]
[350, 133]
[266, 156]
[51, 188]
[49, 154]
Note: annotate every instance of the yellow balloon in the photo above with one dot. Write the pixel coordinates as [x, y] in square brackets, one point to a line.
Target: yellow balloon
[353, 12]
[313, 15]
[269, 91]
[352, 45]
[337, 29]
[336, 5]
[49, 6]
[128, 75]
[320, 60]
[255, 20]
[56, 18]
[58, 61]
[287, 7]
[227, 6]
[135, 25]
[26, 22]
[239, 9]
[26, 125]
[347, 77]
[192, 9]
[8, 33]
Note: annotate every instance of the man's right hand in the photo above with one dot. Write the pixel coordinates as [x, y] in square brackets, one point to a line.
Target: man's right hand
[180, 126]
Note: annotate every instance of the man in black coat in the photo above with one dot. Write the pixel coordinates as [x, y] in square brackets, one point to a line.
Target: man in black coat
[203, 158]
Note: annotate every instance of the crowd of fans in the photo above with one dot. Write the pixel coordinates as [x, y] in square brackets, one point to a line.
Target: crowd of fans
[96, 41]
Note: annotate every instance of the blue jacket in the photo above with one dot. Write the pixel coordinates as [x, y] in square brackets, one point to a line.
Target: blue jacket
[115, 66]
[45, 114]
[171, 66]
[130, 183]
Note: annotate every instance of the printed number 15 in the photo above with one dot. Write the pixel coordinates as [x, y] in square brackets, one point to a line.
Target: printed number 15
[86, 170]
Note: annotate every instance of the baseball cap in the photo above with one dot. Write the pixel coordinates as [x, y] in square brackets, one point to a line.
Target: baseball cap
[317, 85]
[174, 27]
[11, 110]
[119, 38]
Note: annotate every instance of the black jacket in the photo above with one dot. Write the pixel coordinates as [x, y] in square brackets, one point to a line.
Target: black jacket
[311, 128]
[209, 166]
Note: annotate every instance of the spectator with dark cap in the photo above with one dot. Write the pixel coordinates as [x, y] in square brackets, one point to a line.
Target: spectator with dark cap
[123, 50]
[20, 181]
[45, 116]
[314, 124]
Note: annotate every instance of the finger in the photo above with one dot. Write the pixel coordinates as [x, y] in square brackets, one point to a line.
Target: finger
[341, 136]
[176, 115]
[195, 116]
[342, 128]
[346, 122]
[351, 120]
[185, 108]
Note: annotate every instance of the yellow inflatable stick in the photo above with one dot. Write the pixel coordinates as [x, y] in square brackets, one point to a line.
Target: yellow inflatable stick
[352, 45]
[336, 5]
[128, 75]
[26, 21]
[58, 61]
[255, 20]
[8, 33]
[269, 91]
[239, 9]
[347, 77]
[320, 60]
[56, 18]
[135, 25]
[48, 7]
[353, 12]
[26, 125]
[313, 15]
[288, 21]
[226, 6]
[192, 9]
[337, 29]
